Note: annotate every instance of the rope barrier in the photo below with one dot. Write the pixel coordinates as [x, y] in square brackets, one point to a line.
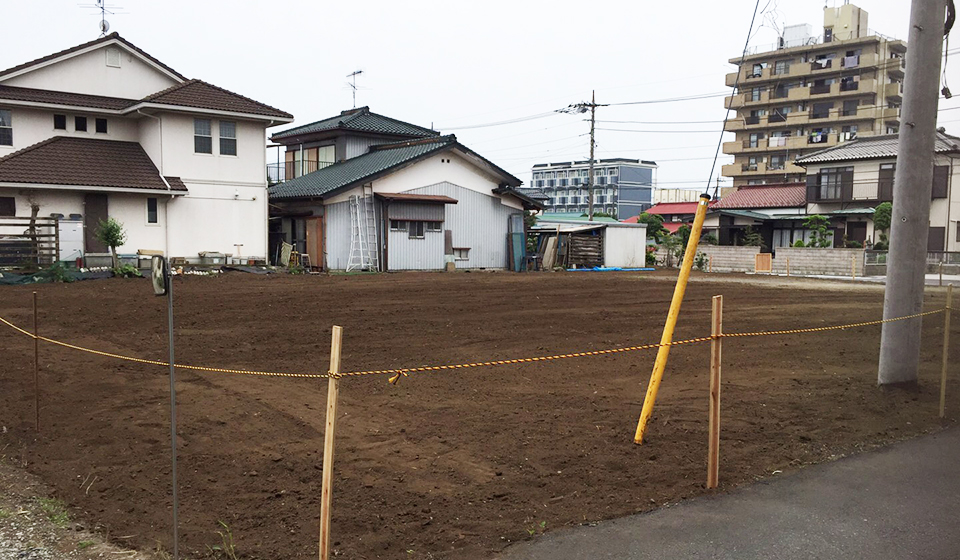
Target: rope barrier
[397, 373]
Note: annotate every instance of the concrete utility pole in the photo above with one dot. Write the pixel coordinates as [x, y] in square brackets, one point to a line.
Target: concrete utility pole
[593, 122]
[906, 265]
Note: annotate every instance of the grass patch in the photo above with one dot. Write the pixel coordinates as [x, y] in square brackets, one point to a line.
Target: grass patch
[4, 514]
[55, 510]
[84, 544]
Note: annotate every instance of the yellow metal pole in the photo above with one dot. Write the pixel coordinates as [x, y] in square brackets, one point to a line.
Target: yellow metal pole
[664, 352]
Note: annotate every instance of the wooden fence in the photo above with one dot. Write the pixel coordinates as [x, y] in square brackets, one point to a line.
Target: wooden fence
[29, 243]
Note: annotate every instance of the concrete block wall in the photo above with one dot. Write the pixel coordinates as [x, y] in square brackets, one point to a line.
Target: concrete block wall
[812, 261]
[726, 258]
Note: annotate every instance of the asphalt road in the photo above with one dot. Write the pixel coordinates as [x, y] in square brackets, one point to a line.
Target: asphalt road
[902, 501]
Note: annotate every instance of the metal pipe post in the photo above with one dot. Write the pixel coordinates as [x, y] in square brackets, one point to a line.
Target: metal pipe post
[173, 415]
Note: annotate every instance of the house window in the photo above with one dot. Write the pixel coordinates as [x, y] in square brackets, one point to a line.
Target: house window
[8, 206]
[202, 138]
[6, 128]
[885, 186]
[59, 122]
[152, 217]
[228, 138]
[80, 124]
[833, 180]
[416, 230]
[398, 225]
[101, 125]
[434, 226]
[941, 179]
[958, 231]
[461, 253]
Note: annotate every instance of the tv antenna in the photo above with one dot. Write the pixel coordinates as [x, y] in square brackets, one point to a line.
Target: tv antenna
[353, 85]
[104, 9]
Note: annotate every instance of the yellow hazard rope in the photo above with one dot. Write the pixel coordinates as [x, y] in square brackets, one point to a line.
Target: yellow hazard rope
[397, 373]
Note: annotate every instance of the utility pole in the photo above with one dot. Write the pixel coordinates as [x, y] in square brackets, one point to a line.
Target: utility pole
[582, 108]
[906, 265]
[593, 122]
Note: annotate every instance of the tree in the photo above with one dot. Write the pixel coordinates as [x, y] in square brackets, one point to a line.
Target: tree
[111, 234]
[683, 232]
[821, 233]
[882, 217]
[655, 227]
[752, 238]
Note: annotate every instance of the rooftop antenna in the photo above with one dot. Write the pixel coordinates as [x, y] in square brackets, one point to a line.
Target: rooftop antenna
[104, 9]
[353, 86]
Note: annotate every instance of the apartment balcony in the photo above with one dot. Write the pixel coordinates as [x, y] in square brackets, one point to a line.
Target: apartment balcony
[748, 76]
[819, 66]
[893, 92]
[889, 114]
[799, 94]
[819, 141]
[284, 171]
[742, 123]
[821, 89]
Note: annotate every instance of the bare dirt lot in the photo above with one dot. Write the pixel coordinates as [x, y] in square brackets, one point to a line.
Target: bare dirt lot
[455, 464]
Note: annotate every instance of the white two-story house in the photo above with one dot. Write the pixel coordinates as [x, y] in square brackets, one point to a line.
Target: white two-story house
[103, 129]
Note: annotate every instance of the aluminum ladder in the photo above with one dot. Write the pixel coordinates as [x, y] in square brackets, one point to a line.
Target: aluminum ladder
[363, 239]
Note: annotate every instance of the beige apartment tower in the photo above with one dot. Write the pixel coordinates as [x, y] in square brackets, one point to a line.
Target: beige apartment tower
[810, 92]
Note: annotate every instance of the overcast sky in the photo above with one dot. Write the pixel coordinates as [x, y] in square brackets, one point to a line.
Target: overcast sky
[458, 64]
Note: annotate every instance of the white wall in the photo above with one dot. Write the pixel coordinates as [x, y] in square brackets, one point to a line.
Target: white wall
[625, 246]
[89, 73]
[433, 170]
[35, 125]
[180, 160]
[211, 219]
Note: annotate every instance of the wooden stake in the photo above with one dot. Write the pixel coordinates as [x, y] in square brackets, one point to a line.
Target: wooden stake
[941, 273]
[788, 266]
[333, 391]
[853, 267]
[713, 448]
[946, 349]
[711, 263]
[36, 364]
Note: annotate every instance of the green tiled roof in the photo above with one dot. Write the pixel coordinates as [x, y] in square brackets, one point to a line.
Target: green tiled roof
[359, 120]
[354, 170]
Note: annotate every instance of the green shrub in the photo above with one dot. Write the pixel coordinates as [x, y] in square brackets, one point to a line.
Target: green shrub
[799, 243]
[710, 239]
[127, 271]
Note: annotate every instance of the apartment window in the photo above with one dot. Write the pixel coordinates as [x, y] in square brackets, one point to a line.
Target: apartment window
[462, 253]
[416, 230]
[6, 128]
[754, 141]
[755, 94]
[434, 226]
[850, 108]
[8, 206]
[781, 67]
[777, 161]
[80, 124]
[101, 125]
[821, 110]
[152, 216]
[398, 225]
[202, 138]
[60, 122]
[228, 138]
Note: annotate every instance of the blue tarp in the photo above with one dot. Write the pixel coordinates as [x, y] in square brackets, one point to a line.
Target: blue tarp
[609, 269]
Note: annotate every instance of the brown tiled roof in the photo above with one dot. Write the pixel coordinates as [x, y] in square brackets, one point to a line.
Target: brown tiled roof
[786, 195]
[85, 162]
[104, 39]
[64, 98]
[200, 94]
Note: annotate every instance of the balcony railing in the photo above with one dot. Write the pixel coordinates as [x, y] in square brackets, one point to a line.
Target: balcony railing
[777, 116]
[751, 120]
[280, 172]
[819, 89]
[849, 85]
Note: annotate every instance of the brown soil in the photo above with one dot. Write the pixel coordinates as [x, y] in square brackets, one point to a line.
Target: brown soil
[455, 464]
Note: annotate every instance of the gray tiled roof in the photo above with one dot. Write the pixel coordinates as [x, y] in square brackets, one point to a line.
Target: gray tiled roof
[533, 193]
[359, 120]
[874, 147]
[354, 170]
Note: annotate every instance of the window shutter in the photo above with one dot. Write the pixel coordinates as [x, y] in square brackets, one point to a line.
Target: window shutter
[813, 184]
[885, 187]
[846, 185]
[935, 239]
[941, 176]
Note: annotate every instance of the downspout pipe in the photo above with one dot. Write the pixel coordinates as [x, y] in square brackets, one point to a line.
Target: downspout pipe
[166, 206]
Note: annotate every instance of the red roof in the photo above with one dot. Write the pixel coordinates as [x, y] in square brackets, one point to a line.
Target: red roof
[784, 195]
[672, 227]
[671, 208]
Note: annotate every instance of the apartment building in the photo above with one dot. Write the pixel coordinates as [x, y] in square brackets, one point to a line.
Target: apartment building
[810, 92]
[622, 187]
